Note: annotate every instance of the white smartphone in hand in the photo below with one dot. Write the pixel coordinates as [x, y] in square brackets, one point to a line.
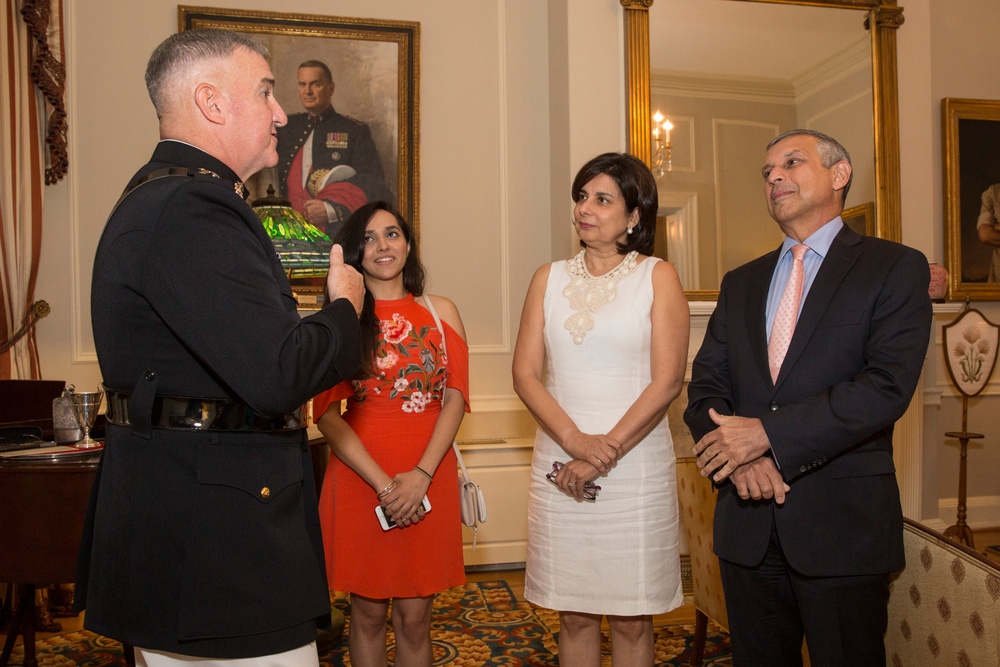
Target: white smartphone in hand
[387, 523]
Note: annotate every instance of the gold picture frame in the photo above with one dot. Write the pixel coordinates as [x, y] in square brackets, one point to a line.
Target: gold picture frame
[971, 142]
[375, 66]
[860, 218]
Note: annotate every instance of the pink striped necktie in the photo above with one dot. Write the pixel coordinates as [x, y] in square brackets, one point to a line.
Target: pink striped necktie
[787, 313]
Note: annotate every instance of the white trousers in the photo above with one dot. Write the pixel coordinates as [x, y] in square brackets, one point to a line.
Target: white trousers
[304, 656]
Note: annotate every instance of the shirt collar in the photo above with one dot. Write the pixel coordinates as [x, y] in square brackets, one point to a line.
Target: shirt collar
[819, 242]
[321, 117]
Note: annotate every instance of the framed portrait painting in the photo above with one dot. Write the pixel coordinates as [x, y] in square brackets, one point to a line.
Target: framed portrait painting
[356, 142]
[971, 146]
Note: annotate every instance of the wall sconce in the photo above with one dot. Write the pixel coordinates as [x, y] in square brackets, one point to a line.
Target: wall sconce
[661, 144]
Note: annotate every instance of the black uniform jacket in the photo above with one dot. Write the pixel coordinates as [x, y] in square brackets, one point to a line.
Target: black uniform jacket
[850, 371]
[199, 542]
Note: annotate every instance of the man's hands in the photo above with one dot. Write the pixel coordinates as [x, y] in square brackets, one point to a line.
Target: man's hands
[736, 450]
[315, 212]
[760, 480]
[738, 440]
[343, 281]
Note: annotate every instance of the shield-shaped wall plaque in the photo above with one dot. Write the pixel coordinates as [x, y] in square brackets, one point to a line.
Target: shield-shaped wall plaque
[970, 350]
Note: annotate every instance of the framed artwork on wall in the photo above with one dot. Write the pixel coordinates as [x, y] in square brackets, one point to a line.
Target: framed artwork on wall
[374, 65]
[971, 144]
[860, 218]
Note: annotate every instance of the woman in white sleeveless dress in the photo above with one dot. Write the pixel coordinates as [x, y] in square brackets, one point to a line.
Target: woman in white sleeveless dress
[600, 355]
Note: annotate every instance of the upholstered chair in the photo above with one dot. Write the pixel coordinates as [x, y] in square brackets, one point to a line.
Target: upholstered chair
[944, 606]
[697, 505]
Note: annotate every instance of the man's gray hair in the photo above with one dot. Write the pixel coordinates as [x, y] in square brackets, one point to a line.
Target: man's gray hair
[829, 149]
[184, 49]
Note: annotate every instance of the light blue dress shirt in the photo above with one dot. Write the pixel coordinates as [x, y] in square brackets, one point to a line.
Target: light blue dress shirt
[819, 245]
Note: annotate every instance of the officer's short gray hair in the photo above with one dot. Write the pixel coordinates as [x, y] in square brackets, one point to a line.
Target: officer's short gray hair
[182, 50]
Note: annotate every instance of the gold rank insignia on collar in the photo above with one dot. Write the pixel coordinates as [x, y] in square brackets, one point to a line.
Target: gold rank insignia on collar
[238, 186]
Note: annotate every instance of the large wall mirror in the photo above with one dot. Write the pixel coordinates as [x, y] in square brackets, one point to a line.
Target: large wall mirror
[732, 74]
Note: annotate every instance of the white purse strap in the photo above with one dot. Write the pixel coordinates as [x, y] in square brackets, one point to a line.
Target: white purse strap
[444, 349]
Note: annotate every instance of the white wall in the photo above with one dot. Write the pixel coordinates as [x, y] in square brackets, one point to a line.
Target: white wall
[947, 49]
[484, 156]
[515, 96]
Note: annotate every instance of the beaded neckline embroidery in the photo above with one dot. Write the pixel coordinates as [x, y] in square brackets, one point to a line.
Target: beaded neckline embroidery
[588, 294]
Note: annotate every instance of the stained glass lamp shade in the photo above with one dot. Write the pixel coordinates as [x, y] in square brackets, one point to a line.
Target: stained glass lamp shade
[303, 249]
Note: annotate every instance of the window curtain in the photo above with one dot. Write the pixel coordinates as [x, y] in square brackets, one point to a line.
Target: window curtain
[33, 146]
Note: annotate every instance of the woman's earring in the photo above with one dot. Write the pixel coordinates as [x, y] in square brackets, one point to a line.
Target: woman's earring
[629, 230]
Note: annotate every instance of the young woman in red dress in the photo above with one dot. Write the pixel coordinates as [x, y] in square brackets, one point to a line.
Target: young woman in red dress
[392, 448]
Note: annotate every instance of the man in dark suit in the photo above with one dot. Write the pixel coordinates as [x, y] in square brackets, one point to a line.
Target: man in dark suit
[808, 524]
[203, 537]
[328, 164]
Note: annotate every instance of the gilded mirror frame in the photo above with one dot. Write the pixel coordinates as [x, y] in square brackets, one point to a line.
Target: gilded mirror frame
[884, 17]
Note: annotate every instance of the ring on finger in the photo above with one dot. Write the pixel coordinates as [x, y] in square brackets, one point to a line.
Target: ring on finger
[572, 485]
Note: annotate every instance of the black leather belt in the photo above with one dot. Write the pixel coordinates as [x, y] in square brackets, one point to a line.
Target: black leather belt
[202, 414]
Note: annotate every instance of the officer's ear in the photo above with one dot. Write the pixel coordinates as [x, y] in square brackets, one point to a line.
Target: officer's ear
[208, 98]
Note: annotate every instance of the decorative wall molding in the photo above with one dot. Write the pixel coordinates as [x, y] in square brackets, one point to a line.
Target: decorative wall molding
[722, 87]
[853, 59]
[506, 345]
[81, 339]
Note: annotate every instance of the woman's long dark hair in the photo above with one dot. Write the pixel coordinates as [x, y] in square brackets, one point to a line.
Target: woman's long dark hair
[351, 238]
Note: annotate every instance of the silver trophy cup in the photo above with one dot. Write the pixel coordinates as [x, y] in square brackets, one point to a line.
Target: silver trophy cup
[86, 404]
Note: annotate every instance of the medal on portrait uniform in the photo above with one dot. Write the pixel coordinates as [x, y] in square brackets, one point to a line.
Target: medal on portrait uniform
[336, 139]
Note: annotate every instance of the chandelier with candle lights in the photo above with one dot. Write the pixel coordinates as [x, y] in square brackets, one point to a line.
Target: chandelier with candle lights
[661, 144]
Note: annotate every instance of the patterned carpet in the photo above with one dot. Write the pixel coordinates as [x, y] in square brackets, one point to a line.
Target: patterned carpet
[479, 625]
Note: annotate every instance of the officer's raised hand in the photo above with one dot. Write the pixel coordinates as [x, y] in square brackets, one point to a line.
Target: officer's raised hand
[343, 281]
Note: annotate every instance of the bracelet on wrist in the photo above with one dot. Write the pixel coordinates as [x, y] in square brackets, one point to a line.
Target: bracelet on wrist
[389, 488]
[423, 472]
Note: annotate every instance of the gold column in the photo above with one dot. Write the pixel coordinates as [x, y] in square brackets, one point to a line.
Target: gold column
[884, 21]
[637, 127]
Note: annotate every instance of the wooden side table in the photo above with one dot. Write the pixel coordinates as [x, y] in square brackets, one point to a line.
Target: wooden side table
[42, 510]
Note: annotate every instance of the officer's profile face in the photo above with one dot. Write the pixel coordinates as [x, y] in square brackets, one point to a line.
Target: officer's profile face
[315, 89]
[246, 85]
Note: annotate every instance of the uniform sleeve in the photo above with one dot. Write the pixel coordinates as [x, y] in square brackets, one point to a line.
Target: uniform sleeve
[458, 363]
[217, 285]
[365, 161]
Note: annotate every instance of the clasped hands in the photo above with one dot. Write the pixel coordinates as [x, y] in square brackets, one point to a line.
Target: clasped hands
[735, 450]
[592, 456]
[403, 503]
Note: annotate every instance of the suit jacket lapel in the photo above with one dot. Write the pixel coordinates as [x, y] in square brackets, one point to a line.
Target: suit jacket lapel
[841, 257]
[756, 307]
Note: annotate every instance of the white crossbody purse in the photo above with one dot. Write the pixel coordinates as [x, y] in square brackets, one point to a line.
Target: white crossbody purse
[470, 496]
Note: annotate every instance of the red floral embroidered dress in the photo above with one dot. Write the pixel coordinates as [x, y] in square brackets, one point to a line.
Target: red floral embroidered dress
[394, 415]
